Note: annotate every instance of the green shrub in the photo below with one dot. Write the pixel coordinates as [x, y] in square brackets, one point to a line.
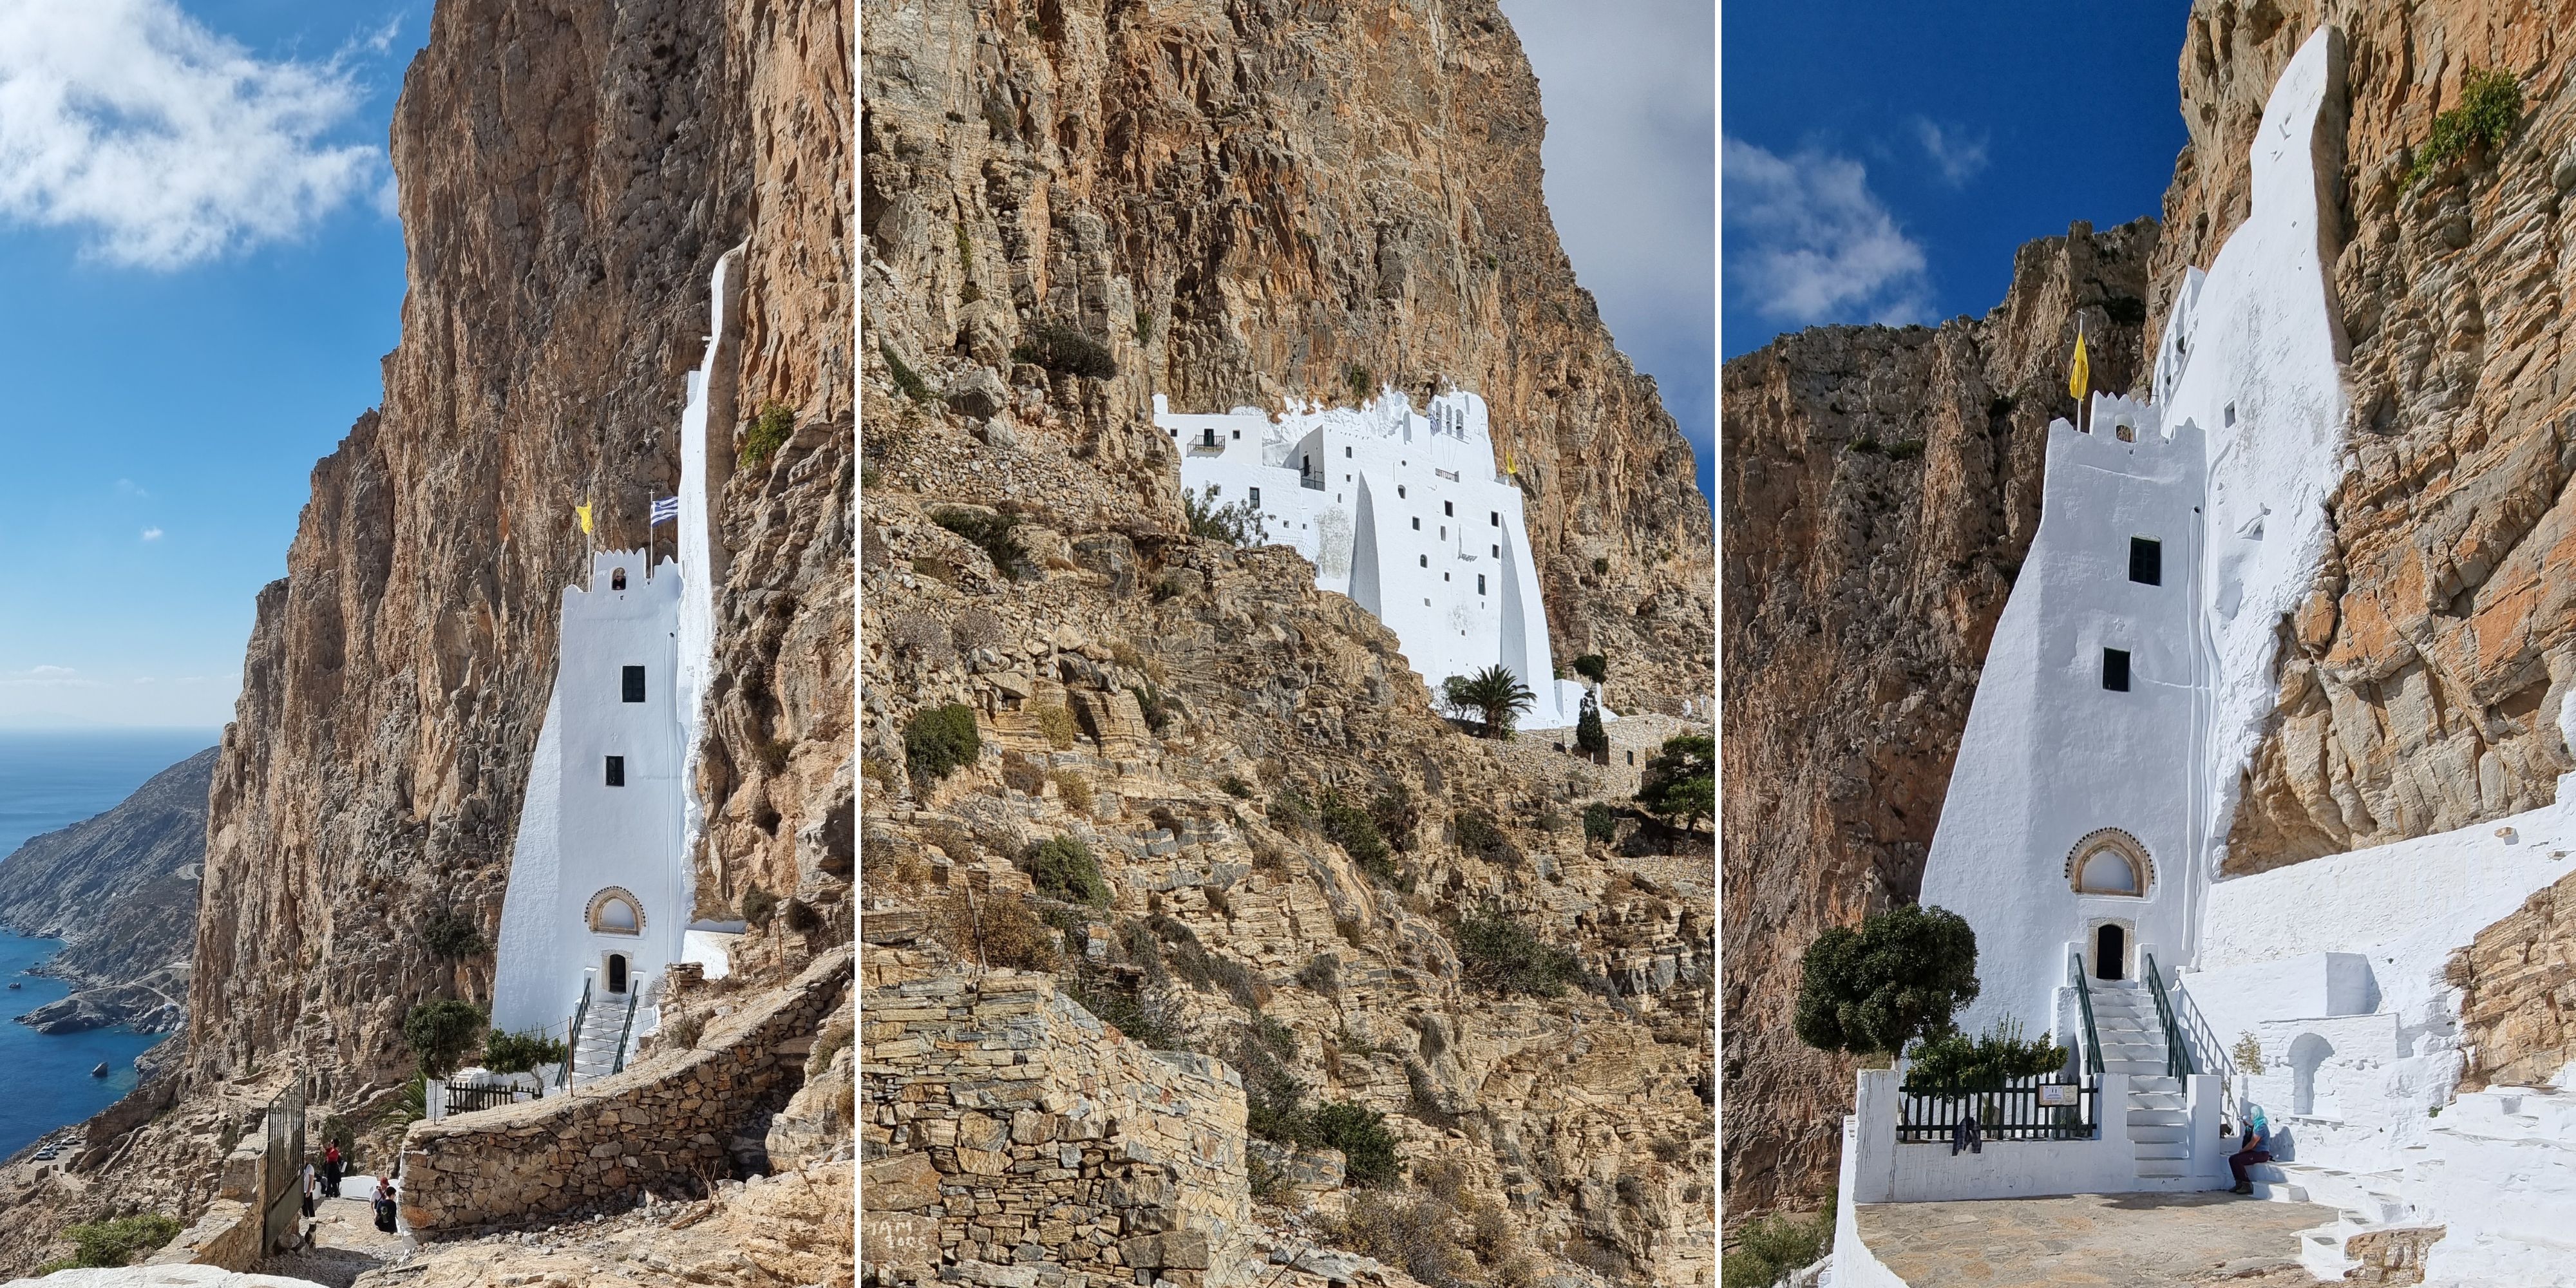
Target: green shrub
[1066, 350]
[1901, 975]
[1477, 834]
[1129, 1011]
[1396, 816]
[1503, 956]
[1323, 974]
[1235, 523]
[1056, 721]
[1235, 787]
[1357, 834]
[442, 1033]
[520, 1052]
[1064, 868]
[1952, 1058]
[1600, 822]
[452, 936]
[1771, 1249]
[991, 533]
[1601, 565]
[1593, 667]
[1290, 811]
[776, 423]
[1589, 737]
[758, 906]
[1368, 1148]
[106, 1244]
[2490, 105]
[905, 379]
[941, 740]
[1362, 381]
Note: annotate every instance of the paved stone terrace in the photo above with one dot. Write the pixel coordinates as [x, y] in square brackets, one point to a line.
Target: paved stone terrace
[2094, 1240]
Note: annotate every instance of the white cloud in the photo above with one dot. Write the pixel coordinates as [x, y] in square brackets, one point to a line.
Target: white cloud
[152, 534]
[1808, 241]
[51, 677]
[128, 487]
[1958, 157]
[163, 142]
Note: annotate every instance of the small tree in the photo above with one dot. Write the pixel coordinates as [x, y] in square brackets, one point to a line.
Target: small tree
[1495, 696]
[452, 936]
[1900, 976]
[1680, 783]
[1593, 667]
[520, 1052]
[1589, 737]
[1600, 822]
[1235, 523]
[442, 1033]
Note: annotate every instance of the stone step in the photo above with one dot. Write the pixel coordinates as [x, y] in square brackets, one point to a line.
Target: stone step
[2163, 1166]
[2162, 1149]
[2166, 1101]
[2157, 1084]
[2161, 1134]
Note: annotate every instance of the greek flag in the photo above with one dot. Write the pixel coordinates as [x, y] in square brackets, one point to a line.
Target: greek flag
[666, 510]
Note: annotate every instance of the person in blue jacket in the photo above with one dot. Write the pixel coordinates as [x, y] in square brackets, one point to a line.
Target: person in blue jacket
[2258, 1141]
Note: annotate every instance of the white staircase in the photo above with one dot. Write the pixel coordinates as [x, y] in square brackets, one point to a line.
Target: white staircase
[2133, 1042]
[595, 1048]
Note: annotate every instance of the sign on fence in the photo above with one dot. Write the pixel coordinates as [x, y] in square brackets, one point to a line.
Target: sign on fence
[2057, 1095]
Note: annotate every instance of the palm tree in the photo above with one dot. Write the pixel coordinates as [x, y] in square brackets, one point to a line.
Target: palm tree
[1496, 696]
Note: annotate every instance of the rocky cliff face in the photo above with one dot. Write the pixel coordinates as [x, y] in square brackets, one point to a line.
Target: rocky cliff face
[570, 174]
[1879, 490]
[2430, 668]
[120, 891]
[1249, 203]
[1246, 204]
[569, 177]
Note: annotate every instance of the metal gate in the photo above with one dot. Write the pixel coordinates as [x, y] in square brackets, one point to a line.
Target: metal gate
[282, 1167]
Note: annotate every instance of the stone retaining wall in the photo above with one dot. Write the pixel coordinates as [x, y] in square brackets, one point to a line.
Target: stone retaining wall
[1012, 1139]
[666, 1120]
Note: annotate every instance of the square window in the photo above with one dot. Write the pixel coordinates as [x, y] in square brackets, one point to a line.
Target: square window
[2115, 669]
[2146, 561]
[617, 771]
[1238, 434]
[634, 684]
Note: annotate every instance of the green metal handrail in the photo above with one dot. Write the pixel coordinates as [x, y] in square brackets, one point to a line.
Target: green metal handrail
[2177, 1052]
[2084, 998]
[572, 1039]
[624, 1029]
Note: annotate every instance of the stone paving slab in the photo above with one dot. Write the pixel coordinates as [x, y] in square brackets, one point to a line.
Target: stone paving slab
[2093, 1241]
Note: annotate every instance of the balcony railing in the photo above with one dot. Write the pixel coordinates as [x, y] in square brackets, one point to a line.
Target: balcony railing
[1451, 475]
[1315, 481]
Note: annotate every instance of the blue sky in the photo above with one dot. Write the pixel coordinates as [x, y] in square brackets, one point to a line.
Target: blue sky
[1627, 88]
[199, 275]
[1882, 161]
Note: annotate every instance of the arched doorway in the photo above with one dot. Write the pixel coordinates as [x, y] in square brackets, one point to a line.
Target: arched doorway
[2110, 953]
[617, 972]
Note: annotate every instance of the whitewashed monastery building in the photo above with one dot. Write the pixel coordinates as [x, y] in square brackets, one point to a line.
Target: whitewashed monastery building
[600, 893]
[1408, 513]
[2124, 693]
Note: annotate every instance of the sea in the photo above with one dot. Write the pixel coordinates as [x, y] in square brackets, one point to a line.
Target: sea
[52, 779]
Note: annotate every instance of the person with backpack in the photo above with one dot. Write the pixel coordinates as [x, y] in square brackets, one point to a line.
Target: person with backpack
[332, 1165]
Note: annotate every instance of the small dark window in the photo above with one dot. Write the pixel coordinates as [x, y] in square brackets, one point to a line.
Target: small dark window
[1417, 523]
[1426, 561]
[617, 771]
[1632, 758]
[2147, 561]
[1208, 436]
[1449, 508]
[1497, 517]
[617, 580]
[1346, 452]
[2231, 413]
[1498, 552]
[634, 684]
[1256, 498]
[2115, 669]
[1238, 434]
[1480, 583]
[1399, 495]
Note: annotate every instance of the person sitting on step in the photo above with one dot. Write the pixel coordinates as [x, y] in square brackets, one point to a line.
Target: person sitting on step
[2258, 1135]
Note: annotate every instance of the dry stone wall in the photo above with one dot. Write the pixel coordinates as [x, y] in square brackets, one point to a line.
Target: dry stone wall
[1010, 1138]
[668, 1119]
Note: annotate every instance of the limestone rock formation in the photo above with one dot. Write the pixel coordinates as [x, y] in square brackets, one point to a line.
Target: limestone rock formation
[1880, 488]
[120, 891]
[2517, 982]
[2431, 667]
[1245, 207]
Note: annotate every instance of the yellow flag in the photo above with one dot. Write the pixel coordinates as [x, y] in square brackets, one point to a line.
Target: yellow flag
[583, 510]
[2075, 385]
[1508, 467]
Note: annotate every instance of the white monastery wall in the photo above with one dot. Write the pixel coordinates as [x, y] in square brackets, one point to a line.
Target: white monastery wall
[2052, 761]
[1406, 513]
[706, 462]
